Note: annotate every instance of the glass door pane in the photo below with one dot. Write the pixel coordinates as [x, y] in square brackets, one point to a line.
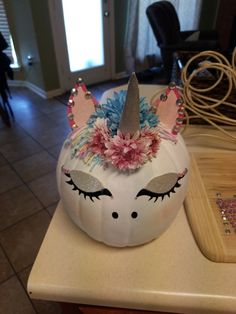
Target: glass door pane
[84, 33]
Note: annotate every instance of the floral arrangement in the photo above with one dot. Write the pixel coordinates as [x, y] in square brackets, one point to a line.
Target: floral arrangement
[101, 141]
[112, 110]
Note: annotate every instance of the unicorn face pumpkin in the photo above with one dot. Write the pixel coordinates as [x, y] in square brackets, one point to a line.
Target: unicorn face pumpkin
[122, 172]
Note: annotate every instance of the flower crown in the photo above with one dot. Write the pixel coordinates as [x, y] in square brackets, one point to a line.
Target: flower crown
[126, 131]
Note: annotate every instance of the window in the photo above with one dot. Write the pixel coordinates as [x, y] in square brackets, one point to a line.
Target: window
[4, 29]
[83, 43]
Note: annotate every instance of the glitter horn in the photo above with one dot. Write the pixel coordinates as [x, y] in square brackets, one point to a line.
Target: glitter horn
[129, 122]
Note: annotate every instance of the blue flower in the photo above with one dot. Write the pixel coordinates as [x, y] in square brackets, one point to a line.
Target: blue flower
[113, 108]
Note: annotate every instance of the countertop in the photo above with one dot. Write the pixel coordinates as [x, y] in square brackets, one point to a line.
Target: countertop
[168, 274]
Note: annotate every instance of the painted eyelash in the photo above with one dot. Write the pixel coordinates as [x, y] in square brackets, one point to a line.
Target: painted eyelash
[158, 195]
[91, 195]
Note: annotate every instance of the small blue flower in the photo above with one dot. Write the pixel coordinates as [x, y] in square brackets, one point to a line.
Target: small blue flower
[112, 110]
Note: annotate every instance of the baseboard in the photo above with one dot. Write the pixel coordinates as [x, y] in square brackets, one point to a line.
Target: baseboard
[16, 83]
[39, 91]
[54, 93]
[120, 75]
[35, 89]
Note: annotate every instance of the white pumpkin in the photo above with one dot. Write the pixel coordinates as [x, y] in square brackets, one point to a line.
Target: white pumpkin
[124, 208]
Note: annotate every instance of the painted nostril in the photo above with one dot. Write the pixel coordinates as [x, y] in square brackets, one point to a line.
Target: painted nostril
[115, 215]
[134, 215]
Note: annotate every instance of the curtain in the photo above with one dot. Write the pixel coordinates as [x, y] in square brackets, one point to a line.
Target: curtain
[140, 47]
[4, 29]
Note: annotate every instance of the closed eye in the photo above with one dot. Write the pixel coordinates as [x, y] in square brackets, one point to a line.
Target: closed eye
[86, 184]
[162, 186]
[157, 195]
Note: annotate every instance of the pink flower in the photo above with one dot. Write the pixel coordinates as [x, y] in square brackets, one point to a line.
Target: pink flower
[153, 135]
[126, 151]
[99, 136]
[123, 151]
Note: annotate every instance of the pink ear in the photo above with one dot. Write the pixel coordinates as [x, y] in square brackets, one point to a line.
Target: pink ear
[81, 105]
[170, 109]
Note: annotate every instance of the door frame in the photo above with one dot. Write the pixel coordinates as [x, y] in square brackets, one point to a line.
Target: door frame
[60, 41]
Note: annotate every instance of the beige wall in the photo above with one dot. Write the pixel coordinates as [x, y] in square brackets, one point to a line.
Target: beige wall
[31, 30]
[43, 33]
[120, 7]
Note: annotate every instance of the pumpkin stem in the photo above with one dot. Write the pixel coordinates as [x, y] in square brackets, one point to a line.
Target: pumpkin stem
[129, 122]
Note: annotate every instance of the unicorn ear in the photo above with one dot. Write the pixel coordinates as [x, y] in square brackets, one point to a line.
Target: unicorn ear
[81, 105]
[170, 109]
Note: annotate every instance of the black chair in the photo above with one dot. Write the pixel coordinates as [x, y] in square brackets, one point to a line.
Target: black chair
[165, 24]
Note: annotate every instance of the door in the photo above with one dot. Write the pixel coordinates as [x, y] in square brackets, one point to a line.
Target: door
[83, 37]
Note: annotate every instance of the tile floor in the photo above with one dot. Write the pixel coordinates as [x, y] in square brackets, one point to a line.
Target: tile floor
[28, 194]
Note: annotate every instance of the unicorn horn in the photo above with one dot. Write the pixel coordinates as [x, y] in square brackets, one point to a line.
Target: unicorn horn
[129, 122]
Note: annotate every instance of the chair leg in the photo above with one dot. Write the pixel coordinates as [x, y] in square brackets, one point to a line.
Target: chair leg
[5, 116]
[167, 58]
[7, 107]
